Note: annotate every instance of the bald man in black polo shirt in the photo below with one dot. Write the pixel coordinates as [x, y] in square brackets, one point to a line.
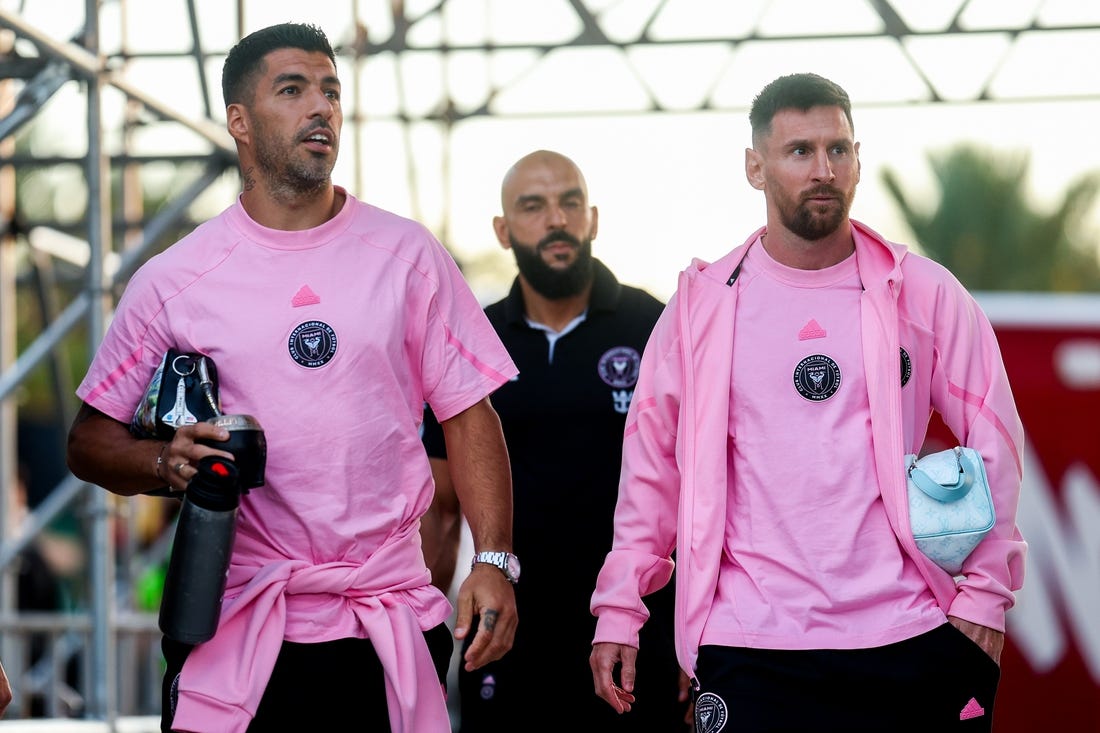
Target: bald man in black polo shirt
[577, 336]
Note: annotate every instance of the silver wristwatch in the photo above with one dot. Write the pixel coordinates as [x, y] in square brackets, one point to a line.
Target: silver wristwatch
[506, 561]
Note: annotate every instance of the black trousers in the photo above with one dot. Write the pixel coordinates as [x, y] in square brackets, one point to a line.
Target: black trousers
[938, 681]
[545, 683]
[330, 686]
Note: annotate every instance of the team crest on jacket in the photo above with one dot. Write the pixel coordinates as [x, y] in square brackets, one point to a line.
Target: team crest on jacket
[618, 367]
[710, 713]
[817, 378]
[312, 344]
[906, 367]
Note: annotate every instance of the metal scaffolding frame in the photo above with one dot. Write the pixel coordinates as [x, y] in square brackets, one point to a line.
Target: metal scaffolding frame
[34, 66]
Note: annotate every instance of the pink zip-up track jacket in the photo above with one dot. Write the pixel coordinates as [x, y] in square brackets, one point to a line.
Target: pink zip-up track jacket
[673, 489]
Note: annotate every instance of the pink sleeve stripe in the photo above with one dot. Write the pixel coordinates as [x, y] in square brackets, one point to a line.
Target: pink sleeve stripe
[111, 379]
[991, 416]
[641, 406]
[477, 363]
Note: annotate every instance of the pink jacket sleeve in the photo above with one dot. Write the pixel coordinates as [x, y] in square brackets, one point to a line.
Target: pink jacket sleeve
[646, 514]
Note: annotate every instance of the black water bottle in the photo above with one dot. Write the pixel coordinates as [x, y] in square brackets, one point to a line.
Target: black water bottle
[195, 581]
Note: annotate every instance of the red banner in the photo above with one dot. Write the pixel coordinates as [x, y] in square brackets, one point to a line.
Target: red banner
[1050, 673]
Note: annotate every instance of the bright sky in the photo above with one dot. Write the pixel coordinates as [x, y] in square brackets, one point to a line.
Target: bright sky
[669, 186]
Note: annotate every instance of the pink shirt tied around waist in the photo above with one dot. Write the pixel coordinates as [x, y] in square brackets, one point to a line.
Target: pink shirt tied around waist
[223, 679]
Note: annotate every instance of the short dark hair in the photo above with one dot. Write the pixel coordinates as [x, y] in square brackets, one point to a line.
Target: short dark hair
[245, 60]
[796, 91]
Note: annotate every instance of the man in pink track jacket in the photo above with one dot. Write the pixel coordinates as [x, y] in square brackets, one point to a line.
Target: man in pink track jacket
[778, 394]
[332, 322]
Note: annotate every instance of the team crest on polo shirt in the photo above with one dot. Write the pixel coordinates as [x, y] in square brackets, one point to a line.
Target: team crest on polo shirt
[710, 713]
[817, 378]
[618, 367]
[312, 344]
[906, 367]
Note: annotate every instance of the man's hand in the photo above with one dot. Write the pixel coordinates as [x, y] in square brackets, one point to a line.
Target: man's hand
[102, 451]
[990, 640]
[183, 452]
[603, 659]
[486, 593]
[685, 696]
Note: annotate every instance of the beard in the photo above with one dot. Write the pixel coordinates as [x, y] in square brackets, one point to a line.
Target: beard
[807, 221]
[547, 281]
[284, 170]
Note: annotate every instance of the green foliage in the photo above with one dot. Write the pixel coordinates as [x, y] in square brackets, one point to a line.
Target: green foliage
[57, 196]
[985, 230]
[38, 396]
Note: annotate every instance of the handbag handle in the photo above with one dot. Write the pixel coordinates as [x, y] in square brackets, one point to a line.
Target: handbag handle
[945, 492]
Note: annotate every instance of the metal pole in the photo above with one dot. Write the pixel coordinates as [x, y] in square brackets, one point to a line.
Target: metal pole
[7, 329]
[102, 689]
[128, 261]
[90, 65]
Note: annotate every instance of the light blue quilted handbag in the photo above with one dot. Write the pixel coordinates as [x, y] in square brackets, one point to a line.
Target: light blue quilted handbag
[950, 509]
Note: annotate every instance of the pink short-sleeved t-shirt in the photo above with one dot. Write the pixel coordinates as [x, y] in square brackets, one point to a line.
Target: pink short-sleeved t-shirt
[333, 338]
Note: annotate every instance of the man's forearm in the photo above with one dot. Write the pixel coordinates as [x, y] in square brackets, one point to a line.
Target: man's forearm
[102, 451]
[482, 476]
[441, 527]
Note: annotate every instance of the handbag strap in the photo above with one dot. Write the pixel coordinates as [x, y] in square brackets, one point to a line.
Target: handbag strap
[946, 492]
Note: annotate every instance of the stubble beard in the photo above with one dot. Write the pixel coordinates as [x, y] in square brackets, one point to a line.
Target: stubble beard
[287, 175]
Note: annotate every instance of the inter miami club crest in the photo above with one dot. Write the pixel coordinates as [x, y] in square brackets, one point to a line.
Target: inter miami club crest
[488, 687]
[817, 378]
[618, 368]
[312, 344]
[710, 713]
[906, 367]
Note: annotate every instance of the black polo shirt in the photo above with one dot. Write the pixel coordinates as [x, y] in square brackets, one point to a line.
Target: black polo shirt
[563, 419]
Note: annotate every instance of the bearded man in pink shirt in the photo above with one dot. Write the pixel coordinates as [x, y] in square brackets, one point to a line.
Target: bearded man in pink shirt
[778, 395]
[332, 322]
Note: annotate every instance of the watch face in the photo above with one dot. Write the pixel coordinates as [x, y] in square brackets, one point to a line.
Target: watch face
[513, 567]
